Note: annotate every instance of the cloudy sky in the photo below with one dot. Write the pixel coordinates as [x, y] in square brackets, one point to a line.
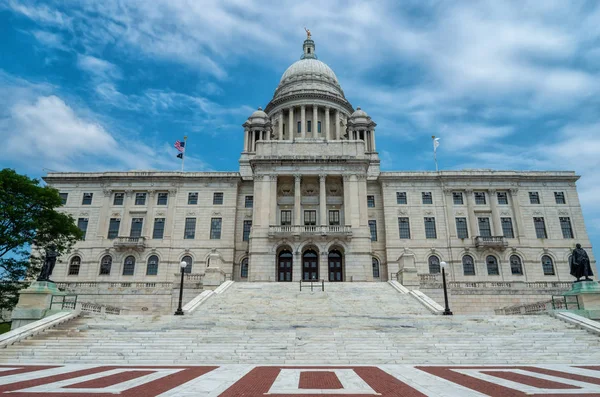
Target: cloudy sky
[111, 84]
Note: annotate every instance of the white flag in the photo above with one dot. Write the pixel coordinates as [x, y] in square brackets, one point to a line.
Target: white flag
[436, 143]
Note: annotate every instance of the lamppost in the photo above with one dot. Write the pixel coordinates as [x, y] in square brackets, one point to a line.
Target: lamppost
[179, 311]
[447, 311]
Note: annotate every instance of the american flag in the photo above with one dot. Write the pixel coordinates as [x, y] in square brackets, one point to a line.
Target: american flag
[180, 146]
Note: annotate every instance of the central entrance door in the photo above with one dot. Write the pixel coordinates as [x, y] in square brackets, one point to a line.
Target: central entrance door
[310, 265]
[335, 266]
[284, 266]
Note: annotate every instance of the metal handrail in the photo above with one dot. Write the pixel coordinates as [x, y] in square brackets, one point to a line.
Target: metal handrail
[71, 304]
[322, 281]
[558, 300]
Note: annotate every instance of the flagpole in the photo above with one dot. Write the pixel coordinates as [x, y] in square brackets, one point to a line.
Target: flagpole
[184, 147]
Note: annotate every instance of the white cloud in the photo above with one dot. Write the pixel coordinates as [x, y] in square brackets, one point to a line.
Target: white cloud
[99, 68]
[50, 40]
[40, 13]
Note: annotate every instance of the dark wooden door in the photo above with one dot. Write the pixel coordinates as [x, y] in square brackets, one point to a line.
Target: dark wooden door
[335, 266]
[284, 266]
[310, 266]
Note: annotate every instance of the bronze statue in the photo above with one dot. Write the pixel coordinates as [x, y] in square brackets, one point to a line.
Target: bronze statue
[579, 263]
[49, 263]
[307, 33]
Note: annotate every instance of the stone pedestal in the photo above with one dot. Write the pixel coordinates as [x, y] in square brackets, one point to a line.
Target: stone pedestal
[407, 273]
[213, 277]
[588, 296]
[34, 303]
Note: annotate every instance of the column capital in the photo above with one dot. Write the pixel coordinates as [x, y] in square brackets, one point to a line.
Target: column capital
[303, 107]
[514, 190]
[297, 177]
[151, 193]
[273, 177]
[327, 108]
[469, 191]
[107, 192]
[492, 191]
[322, 177]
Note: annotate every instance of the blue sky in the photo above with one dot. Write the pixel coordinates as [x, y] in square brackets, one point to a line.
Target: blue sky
[110, 85]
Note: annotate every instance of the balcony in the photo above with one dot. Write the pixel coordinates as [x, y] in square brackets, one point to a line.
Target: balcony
[306, 230]
[491, 242]
[136, 243]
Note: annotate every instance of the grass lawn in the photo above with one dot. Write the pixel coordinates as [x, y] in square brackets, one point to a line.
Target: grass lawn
[4, 327]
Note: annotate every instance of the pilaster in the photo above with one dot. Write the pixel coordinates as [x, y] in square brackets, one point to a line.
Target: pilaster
[327, 136]
[337, 124]
[297, 200]
[514, 200]
[315, 122]
[303, 121]
[473, 225]
[103, 216]
[291, 124]
[495, 214]
[323, 199]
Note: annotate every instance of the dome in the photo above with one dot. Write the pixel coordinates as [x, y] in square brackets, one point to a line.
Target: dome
[308, 68]
[259, 114]
[359, 113]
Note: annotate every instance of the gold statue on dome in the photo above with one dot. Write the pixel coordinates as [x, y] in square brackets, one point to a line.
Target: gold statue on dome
[307, 33]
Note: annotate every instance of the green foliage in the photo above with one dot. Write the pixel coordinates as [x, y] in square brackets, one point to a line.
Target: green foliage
[4, 327]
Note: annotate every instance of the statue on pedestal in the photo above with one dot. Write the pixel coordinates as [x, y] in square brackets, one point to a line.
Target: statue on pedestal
[579, 263]
[49, 262]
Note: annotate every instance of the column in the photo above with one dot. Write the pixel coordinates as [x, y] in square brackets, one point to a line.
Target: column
[497, 228]
[327, 137]
[373, 138]
[361, 199]
[170, 221]
[254, 138]
[514, 200]
[303, 121]
[449, 212]
[281, 125]
[347, 209]
[323, 199]
[297, 200]
[291, 124]
[268, 132]
[104, 215]
[149, 220]
[337, 124]
[273, 206]
[315, 122]
[474, 226]
[264, 198]
[246, 140]
[125, 226]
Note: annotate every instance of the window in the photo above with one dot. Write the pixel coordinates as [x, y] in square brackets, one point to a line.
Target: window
[457, 197]
[159, 228]
[247, 228]
[244, 268]
[162, 199]
[547, 266]
[140, 199]
[502, 198]
[113, 228]
[218, 198]
[434, 264]
[468, 265]
[310, 218]
[516, 265]
[427, 198]
[430, 231]
[87, 199]
[559, 197]
[371, 201]
[480, 198]
[492, 265]
[192, 198]
[308, 126]
[401, 198]
[565, 226]
[249, 202]
[63, 197]
[375, 263]
[334, 217]
[540, 227]
[105, 265]
[404, 227]
[136, 227]
[118, 198]
[189, 231]
[286, 217]
[461, 228]
[74, 266]
[534, 197]
[373, 229]
[129, 266]
[319, 127]
[299, 127]
[215, 228]
[507, 227]
[484, 227]
[187, 259]
[152, 266]
[82, 224]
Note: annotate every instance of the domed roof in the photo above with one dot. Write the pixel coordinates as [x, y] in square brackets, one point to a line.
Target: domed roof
[258, 113]
[359, 113]
[311, 68]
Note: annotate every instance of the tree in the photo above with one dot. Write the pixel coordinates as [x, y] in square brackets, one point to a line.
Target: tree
[29, 222]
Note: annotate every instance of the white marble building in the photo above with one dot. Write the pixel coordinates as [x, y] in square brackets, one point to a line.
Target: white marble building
[310, 201]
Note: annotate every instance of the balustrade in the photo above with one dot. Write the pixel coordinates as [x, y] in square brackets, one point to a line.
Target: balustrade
[298, 230]
[137, 243]
[491, 241]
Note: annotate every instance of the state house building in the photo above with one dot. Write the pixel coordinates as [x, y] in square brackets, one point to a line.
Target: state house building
[309, 201]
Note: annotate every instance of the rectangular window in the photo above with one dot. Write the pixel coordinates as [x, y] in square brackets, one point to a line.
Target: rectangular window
[371, 201]
[286, 217]
[507, 227]
[308, 126]
[430, 231]
[480, 198]
[534, 197]
[162, 199]
[310, 218]
[82, 224]
[113, 228]
[540, 227]
[87, 199]
[189, 233]
[457, 197]
[249, 202]
[247, 228]
[140, 199]
[559, 197]
[299, 127]
[136, 227]
[404, 227]
[118, 198]
[318, 127]
[565, 226]
[427, 198]
[461, 228]
[502, 198]
[63, 198]
[218, 198]
[215, 228]
[159, 228]
[334, 217]
[484, 227]
[401, 198]
[373, 229]
[192, 198]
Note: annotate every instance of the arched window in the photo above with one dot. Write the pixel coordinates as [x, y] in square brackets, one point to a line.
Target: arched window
[468, 265]
[105, 265]
[516, 265]
[492, 265]
[244, 268]
[74, 266]
[547, 265]
[129, 266]
[152, 266]
[187, 259]
[375, 263]
[434, 264]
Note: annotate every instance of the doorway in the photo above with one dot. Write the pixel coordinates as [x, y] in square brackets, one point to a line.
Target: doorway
[310, 265]
[335, 266]
[284, 266]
